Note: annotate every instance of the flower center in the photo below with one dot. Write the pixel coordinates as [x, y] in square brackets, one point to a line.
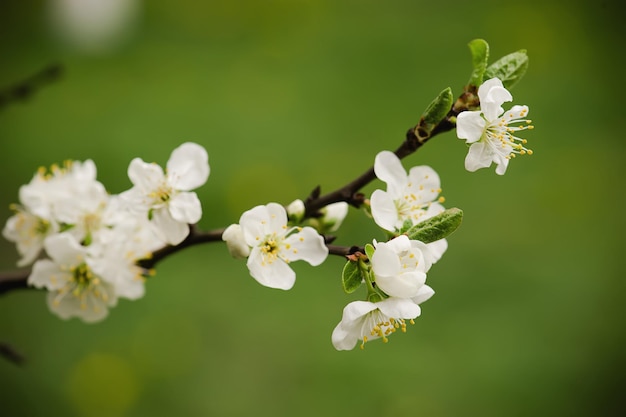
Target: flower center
[82, 284]
[162, 194]
[411, 207]
[501, 134]
[377, 325]
[270, 248]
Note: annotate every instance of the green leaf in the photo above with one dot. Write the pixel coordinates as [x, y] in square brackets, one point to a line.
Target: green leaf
[408, 223]
[436, 111]
[509, 69]
[480, 56]
[437, 227]
[369, 251]
[351, 277]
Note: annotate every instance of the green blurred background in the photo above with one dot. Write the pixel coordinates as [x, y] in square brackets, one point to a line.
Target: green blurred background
[285, 95]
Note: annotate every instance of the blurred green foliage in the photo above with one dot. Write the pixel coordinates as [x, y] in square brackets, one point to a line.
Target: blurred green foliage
[285, 95]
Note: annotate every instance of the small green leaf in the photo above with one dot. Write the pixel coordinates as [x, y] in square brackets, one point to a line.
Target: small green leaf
[480, 56]
[351, 277]
[408, 223]
[509, 69]
[369, 251]
[436, 111]
[437, 227]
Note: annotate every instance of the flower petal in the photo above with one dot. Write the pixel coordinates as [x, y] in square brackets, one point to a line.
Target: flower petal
[276, 274]
[424, 293]
[188, 166]
[237, 246]
[384, 210]
[47, 274]
[277, 220]
[470, 126]
[255, 224]
[306, 245]
[480, 155]
[424, 183]
[404, 285]
[185, 207]
[436, 250]
[516, 112]
[344, 338]
[357, 309]
[64, 249]
[399, 308]
[146, 177]
[386, 260]
[167, 228]
[388, 168]
[89, 309]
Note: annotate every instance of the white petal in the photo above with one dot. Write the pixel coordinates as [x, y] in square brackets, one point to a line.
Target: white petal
[131, 288]
[503, 163]
[277, 218]
[425, 183]
[436, 249]
[516, 112]
[146, 177]
[357, 309]
[399, 308]
[424, 293]
[64, 249]
[384, 210]
[385, 260]
[296, 208]
[47, 274]
[167, 228]
[185, 207]
[273, 275]
[486, 86]
[188, 166]
[237, 246]
[480, 155]
[405, 285]
[261, 221]
[92, 310]
[492, 95]
[470, 126]
[344, 338]
[334, 214]
[388, 168]
[306, 245]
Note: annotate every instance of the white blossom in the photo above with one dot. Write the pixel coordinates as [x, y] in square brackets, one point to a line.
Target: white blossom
[490, 132]
[74, 289]
[333, 216]
[400, 266]
[411, 197]
[365, 320]
[273, 245]
[166, 197]
[67, 197]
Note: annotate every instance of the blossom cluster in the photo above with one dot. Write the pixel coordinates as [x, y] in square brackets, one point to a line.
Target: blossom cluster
[93, 240]
[87, 247]
[396, 272]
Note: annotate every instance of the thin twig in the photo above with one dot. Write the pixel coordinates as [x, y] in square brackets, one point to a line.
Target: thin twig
[10, 354]
[26, 88]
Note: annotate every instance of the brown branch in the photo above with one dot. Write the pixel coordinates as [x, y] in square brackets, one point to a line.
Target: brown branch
[10, 354]
[195, 237]
[415, 138]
